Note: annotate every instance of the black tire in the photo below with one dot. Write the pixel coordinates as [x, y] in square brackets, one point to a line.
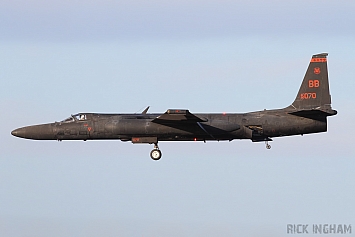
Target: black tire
[155, 154]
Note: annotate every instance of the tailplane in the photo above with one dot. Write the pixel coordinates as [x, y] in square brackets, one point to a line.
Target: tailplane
[314, 91]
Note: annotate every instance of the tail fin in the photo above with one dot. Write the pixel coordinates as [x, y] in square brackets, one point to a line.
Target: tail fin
[314, 91]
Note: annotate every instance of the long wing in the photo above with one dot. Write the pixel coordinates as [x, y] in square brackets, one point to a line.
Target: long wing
[178, 116]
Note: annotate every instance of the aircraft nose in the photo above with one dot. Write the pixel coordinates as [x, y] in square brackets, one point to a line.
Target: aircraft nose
[37, 132]
[19, 132]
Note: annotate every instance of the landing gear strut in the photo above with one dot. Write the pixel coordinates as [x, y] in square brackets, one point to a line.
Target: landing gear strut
[155, 154]
[268, 146]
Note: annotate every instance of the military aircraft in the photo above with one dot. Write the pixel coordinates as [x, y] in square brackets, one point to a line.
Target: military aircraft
[307, 114]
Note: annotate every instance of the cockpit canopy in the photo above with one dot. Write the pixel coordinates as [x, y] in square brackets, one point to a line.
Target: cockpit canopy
[75, 117]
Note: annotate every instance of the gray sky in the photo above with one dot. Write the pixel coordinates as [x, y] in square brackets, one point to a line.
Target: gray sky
[62, 57]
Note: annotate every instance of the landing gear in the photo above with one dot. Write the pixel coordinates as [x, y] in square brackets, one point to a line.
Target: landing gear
[268, 146]
[155, 154]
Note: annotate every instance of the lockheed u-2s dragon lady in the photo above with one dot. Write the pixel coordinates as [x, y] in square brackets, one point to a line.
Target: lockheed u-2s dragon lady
[307, 114]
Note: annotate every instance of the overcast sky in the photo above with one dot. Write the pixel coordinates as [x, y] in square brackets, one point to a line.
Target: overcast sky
[62, 57]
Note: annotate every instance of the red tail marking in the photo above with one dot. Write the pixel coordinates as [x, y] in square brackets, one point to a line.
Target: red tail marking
[316, 70]
[318, 60]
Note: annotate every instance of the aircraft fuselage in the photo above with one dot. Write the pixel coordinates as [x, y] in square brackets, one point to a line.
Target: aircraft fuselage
[257, 126]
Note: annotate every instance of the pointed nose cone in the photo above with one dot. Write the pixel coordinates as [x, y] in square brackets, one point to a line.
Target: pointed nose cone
[37, 132]
[20, 132]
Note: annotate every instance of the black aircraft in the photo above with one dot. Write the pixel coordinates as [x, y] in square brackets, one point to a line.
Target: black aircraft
[307, 114]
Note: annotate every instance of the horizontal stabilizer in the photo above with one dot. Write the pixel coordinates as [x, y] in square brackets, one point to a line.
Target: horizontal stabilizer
[313, 113]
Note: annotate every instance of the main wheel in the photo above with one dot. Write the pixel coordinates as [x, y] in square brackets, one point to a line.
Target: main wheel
[155, 154]
[268, 146]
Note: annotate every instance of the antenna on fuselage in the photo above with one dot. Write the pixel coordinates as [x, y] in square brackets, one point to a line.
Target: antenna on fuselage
[146, 110]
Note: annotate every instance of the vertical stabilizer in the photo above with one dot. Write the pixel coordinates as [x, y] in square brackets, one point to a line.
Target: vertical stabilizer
[314, 91]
